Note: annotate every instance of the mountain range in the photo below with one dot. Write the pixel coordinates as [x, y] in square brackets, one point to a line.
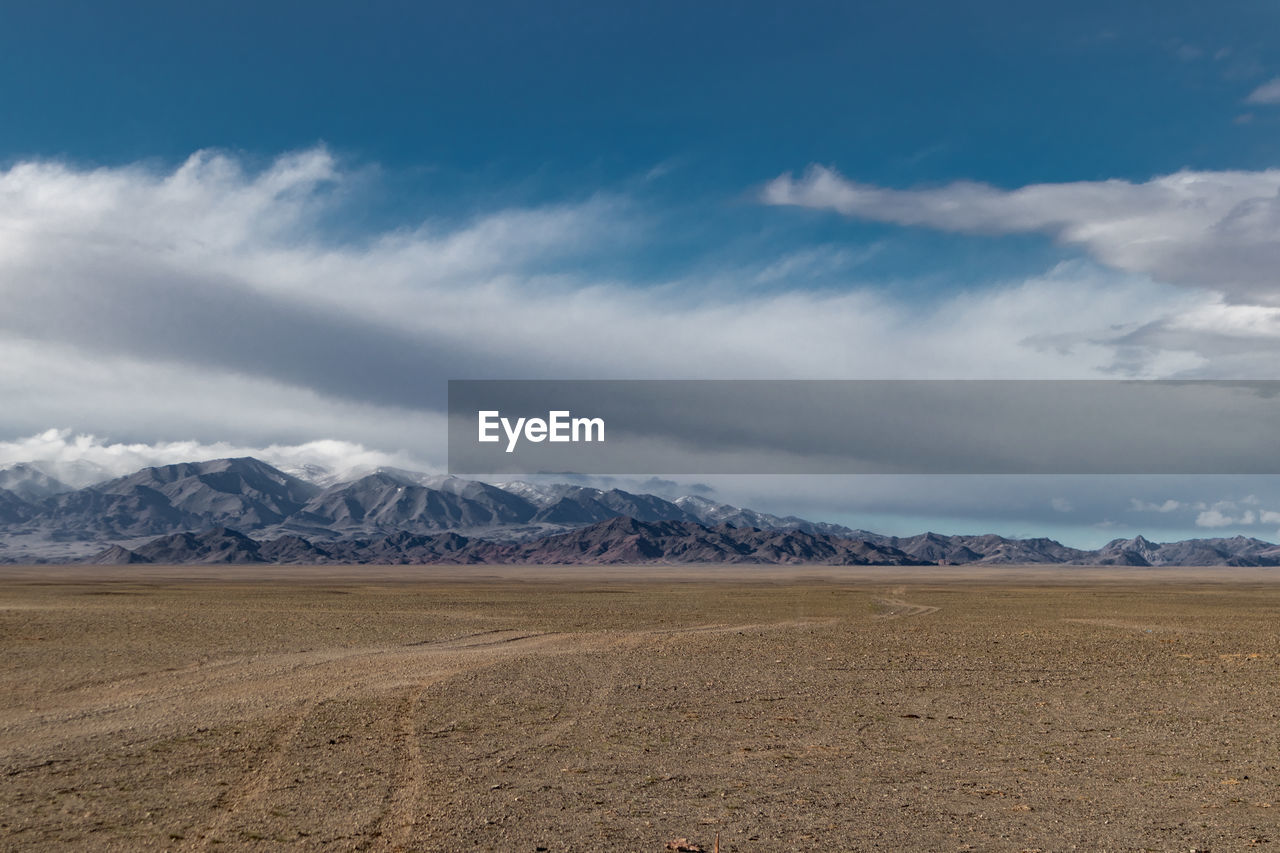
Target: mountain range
[246, 511]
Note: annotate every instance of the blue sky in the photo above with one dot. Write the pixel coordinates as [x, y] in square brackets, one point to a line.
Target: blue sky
[559, 97]
[192, 198]
[461, 107]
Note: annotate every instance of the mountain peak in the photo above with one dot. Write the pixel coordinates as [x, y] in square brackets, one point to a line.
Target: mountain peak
[30, 483]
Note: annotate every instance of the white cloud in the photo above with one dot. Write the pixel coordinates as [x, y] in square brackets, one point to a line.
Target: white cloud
[82, 459]
[1213, 518]
[210, 302]
[1214, 230]
[1233, 321]
[1061, 505]
[1169, 505]
[1217, 518]
[1267, 93]
[135, 298]
[1221, 513]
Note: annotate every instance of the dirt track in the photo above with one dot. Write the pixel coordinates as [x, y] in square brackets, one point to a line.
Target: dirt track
[394, 710]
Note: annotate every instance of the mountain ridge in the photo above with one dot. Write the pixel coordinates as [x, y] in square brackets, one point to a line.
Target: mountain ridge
[247, 510]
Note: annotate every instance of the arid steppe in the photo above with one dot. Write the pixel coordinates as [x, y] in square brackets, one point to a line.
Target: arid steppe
[612, 709]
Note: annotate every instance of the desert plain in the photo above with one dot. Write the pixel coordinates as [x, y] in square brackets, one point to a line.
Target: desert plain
[623, 708]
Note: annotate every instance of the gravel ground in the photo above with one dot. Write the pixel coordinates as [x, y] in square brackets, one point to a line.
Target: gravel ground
[783, 710]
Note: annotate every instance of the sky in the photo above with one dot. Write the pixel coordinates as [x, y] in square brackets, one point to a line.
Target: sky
[279, 228]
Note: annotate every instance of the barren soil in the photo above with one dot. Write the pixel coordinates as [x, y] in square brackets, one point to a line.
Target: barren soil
[377, 708]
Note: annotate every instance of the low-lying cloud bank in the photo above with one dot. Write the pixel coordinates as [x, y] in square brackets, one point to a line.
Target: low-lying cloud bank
[81, 459]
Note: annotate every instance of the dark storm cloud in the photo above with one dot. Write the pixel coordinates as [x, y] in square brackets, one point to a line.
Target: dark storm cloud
[217, 323]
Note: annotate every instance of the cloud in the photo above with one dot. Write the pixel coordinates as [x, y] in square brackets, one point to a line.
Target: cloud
[214, 303]
[147, 401]
[1214, 230]
[1167, 506]
[1267, 93]
[212, 300]
[1213, 518]
[82, 459]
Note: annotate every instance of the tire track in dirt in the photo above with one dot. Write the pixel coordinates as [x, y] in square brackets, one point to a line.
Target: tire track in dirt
[1138, 627]
[294, 689]
[729, 629]
[897, 608]
[598, 696]
[240, 687]
[399, 817]
[242, 684]
[638, 639]
[396, 823]
[396, 820]
[483, 639]
[254, 786]
[254, 687]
